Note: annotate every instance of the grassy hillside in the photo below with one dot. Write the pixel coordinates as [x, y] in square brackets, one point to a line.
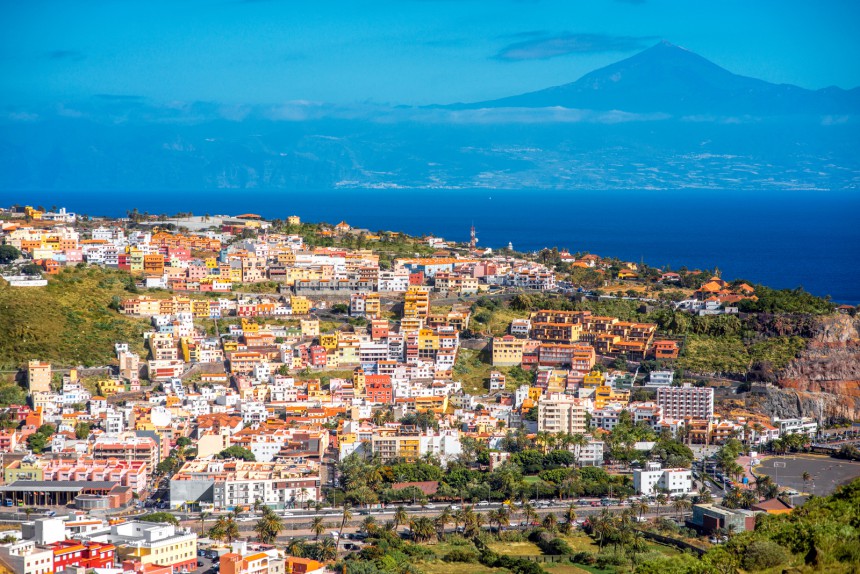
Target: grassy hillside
[69, 322]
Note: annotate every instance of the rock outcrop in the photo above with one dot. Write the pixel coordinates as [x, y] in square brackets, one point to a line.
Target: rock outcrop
[824, 380]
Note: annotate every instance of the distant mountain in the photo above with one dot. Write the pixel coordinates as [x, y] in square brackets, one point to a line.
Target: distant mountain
[668, 78]
[712, 129]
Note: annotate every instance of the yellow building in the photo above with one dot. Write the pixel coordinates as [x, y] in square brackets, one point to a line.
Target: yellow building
[416, 302]
[507, 351]
[604, 394]
[294, 220]
[250, 326]
[328, 341]
[200, 309]
[39, 376]
[108, 387]
[300, 305]
[310, 327]
[594, 379]
[428, 340]
[153, 543]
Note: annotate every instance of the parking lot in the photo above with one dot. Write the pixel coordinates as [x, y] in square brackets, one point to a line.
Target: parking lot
[826, 473]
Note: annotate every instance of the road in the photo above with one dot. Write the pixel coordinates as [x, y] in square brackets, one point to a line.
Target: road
[298, 522]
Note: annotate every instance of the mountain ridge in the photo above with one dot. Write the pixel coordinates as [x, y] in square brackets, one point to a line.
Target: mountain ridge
[671, 79]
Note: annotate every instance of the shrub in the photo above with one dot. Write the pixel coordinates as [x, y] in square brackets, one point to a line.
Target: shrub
[460, 555]
[762, 554]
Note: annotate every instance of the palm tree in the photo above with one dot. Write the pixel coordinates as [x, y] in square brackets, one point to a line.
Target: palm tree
[578, 442]
[805, 477]
[303, 495]
[681, 504]
[296, 547]
[227, 525]
[422, 529]
[317, 526]
[602, 526]
[346, 517]
[368, 525]
[328, 549]
[400, 517]
[204, 516]
[641, 506]
[442, 521]
[570, 514]
[550, 522]
[529, 512]
[662, 500]
[458, 516]
[705, 497]
[269, 527]
[503, 517]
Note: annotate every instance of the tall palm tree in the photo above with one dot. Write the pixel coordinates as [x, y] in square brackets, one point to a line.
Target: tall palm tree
[345, 518]
[227, 525]
[570, 514]
[442, 521]
[400, 517]
[681, 504]
[503, 517]
[550, 522]
[662, 500]
[457, 517]
[806, 477]
[704, 496]
[641, 506]
[204, 516]
[529, 512]
[317, 527]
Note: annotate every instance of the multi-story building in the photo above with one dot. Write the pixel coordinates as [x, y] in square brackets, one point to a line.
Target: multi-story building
[149, 544]
[807, 426]
[653, 478]
[559, 413]
[25, 557]
[129, 448]
[408, 443]
[686, 401]
[39, 376]
[416, 303]
[507, 351]
[228, 484]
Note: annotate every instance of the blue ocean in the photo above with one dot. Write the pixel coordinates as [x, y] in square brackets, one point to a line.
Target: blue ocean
[782, 239]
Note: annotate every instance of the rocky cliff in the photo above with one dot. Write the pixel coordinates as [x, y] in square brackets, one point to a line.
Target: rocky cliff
[824, 380]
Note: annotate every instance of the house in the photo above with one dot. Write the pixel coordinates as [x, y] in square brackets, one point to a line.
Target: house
[772, 506]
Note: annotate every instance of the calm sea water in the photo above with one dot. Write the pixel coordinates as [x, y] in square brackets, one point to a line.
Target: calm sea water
[785, 239]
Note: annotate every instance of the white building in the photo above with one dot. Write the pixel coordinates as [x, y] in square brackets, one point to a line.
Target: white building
[653, 479]
[660, 379]
[686, 401]
[804, 425]
[558, 412]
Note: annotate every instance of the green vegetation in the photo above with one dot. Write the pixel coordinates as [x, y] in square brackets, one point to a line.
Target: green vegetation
[239, 452]
[8, 254]
[39, 439]
[164, 517]
[69, 322]
[786, 301]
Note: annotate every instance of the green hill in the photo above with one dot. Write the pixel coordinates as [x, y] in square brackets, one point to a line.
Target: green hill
[70, 322]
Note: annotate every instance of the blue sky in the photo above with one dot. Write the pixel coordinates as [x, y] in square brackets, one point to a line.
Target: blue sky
[397, 52]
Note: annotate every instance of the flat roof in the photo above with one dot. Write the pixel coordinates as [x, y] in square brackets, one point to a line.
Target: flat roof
[56, 486]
